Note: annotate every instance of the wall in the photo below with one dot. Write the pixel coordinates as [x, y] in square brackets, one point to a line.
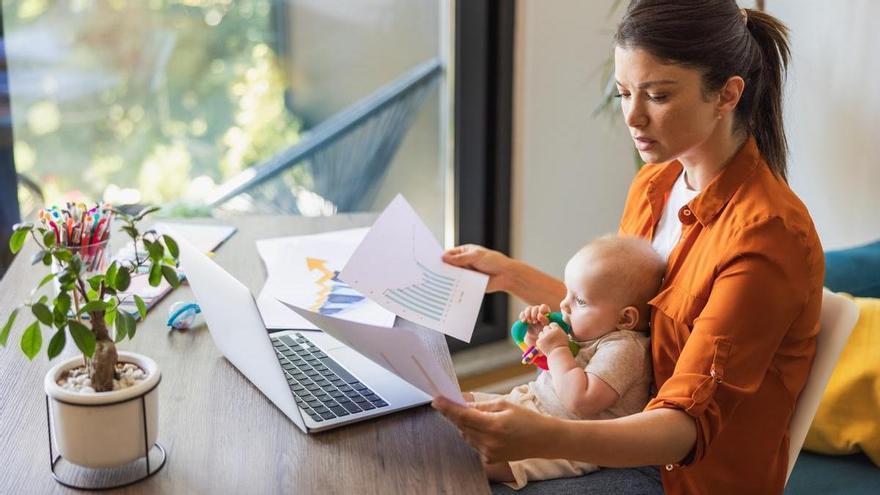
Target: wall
[571, 171]
[833, 115]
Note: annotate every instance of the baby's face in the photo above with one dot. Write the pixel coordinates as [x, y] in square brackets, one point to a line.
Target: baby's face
[585, 307]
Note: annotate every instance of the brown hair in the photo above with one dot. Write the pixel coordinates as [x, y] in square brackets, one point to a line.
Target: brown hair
[719, 38]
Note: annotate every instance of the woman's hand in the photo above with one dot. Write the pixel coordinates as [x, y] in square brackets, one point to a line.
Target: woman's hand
[494, 264]
[499, 430]
[551, 337]
[536, 318]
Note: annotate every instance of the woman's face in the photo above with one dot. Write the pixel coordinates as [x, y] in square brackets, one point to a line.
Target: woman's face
[663, 105]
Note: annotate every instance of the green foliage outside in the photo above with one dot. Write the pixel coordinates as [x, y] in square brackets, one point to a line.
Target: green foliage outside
[144, 101]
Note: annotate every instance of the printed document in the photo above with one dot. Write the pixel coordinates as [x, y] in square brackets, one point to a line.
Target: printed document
[303, 270]
[398, 265]
[398, 350]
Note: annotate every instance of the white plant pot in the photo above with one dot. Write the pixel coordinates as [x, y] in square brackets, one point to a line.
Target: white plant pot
[104, 429]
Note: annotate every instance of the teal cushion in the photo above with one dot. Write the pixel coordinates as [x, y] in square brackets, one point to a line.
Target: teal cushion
[854, 270]
[833, 475]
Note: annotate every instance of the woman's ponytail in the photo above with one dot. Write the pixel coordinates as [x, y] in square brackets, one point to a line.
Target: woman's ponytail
[765, 116]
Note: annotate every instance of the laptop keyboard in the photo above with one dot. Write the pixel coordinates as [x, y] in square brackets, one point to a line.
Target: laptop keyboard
[322, 388]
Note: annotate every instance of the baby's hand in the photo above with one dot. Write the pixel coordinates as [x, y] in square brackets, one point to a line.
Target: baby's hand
[536, 318]
[551, 337]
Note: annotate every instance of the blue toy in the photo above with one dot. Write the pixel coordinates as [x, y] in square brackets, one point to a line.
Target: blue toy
[182, 314]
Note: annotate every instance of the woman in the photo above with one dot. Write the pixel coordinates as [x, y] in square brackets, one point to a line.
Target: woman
[734, 325]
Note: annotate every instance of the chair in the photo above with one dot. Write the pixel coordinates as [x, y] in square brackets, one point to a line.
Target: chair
[339, 162]
[837, 319]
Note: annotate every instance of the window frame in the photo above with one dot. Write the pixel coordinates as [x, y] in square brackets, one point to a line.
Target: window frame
[9, 209]
[483, 122]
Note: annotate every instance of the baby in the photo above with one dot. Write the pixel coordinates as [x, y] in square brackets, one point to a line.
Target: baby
[608, 285]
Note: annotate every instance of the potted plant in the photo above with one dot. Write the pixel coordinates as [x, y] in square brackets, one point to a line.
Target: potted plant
[95, 421]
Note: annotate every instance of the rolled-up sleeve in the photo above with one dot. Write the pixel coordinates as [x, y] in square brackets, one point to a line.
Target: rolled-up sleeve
[761, 286]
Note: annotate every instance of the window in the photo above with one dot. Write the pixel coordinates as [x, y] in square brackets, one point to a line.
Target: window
[175, 102]
[162, 101]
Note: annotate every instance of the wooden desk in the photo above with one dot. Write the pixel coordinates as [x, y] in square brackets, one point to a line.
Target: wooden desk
[222, 435]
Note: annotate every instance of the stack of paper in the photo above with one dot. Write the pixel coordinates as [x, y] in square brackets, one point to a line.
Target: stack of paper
[398, 266]
[304, 271]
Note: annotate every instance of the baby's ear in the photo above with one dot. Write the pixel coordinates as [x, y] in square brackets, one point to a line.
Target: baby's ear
[628, 318]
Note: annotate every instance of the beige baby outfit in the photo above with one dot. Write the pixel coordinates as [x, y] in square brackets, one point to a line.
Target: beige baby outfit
[622, 359]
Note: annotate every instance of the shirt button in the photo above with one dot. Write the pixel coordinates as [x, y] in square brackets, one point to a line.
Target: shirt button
[686, 216]
[670, 467]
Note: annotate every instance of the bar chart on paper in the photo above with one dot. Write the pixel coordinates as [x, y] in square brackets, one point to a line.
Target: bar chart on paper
[398, 266]
[430, 297]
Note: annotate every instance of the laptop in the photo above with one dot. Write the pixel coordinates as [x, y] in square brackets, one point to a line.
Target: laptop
[314, 379]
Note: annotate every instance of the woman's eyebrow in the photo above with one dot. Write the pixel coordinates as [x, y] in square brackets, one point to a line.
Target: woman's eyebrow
[648, 84]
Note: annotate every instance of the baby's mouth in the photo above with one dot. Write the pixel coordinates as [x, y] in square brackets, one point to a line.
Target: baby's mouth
[566, 318]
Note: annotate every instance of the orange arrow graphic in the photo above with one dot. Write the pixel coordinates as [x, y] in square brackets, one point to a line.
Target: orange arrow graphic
[324, 287]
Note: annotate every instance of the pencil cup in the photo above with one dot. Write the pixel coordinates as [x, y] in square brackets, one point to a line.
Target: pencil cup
[94, 260]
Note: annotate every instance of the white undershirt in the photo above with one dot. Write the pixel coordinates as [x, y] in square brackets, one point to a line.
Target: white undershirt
[668, 231]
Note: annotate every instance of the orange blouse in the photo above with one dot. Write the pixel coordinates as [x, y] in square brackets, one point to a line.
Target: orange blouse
[734, 325]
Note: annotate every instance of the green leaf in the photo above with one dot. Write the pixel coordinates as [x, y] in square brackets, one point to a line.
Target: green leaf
[131, 231]
[16, 241]
[170, 275]
[119, 336]
[142, 308]
[62, 302]
[4, 334]
[110, 274]
[95, 281]
[145, 212]
[59, 319]
[47, 258]
[83, 337]
[125, 324]
[24, 225]
[45, 281]
[31, 340]
[63, 255]
[110, 317]
[38, 256]
[156, 250]
[42, 313]
[172, 245]
[92, 306]
[49, 238]
[57, 343]
[65, 276]
[123, 279]
[155, 274]
[59, 311]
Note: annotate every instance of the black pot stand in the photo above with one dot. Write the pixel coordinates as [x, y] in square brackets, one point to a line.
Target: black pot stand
[107, 473]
